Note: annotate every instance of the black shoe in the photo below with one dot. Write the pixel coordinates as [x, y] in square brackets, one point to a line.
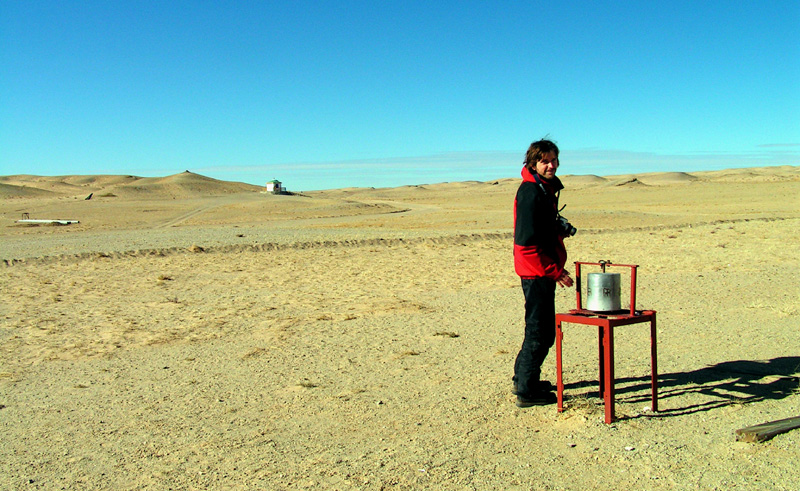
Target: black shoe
[536, 399]
[542, 385]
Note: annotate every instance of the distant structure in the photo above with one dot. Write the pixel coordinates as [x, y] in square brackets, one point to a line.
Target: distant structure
[275, 187]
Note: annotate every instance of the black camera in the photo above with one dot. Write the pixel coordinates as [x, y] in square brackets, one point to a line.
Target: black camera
[564, 227]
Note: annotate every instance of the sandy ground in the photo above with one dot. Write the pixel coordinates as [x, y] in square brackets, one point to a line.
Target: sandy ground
[196, 334]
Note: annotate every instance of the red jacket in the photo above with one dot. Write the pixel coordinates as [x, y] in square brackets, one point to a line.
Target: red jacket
[538, 247]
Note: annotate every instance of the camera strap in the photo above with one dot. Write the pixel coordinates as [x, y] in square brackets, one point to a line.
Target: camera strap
[547, 193]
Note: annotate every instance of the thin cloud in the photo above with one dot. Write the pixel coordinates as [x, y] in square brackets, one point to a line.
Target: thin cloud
[611, 162]
[486, 166]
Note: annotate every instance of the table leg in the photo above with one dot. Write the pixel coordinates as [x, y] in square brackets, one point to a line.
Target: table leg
[601, 357]
[653, 363]
[559, 379]
[608, 348]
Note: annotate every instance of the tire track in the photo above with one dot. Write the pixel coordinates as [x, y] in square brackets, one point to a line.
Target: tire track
[374, 242]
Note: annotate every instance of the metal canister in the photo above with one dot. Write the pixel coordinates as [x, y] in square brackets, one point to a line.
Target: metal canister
[603, 292]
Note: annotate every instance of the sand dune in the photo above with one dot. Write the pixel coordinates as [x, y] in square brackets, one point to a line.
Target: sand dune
[15, 191]
[191, 333]
[188, 184]
[582, 180]
[658, 178]
[183, 185]
[29, 186]
[100, 181]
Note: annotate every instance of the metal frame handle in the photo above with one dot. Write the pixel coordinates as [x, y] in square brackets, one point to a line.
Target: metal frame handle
[603, 265]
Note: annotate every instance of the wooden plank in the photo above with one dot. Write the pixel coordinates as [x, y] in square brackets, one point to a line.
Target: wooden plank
[765, 431]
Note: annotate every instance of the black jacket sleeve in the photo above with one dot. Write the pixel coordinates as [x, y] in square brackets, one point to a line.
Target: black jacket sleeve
[535, 217]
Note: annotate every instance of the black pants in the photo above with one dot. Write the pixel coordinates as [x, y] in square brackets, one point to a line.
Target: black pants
[540, 332]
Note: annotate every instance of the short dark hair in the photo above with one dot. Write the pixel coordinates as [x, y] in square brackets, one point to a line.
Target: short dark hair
[537, 150]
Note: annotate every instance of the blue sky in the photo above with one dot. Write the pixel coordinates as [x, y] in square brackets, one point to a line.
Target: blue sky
[324, 94]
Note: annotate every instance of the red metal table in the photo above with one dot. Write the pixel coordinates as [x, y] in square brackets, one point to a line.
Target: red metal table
[606, 322]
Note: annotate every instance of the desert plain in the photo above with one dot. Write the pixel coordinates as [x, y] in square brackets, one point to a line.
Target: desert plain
[190, 333]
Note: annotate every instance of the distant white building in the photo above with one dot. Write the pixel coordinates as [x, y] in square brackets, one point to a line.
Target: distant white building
[274, 186]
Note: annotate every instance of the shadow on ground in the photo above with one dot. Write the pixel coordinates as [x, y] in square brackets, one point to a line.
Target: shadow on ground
[710, 387]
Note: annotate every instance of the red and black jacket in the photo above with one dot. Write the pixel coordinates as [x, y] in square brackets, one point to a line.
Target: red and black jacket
[538, 247]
